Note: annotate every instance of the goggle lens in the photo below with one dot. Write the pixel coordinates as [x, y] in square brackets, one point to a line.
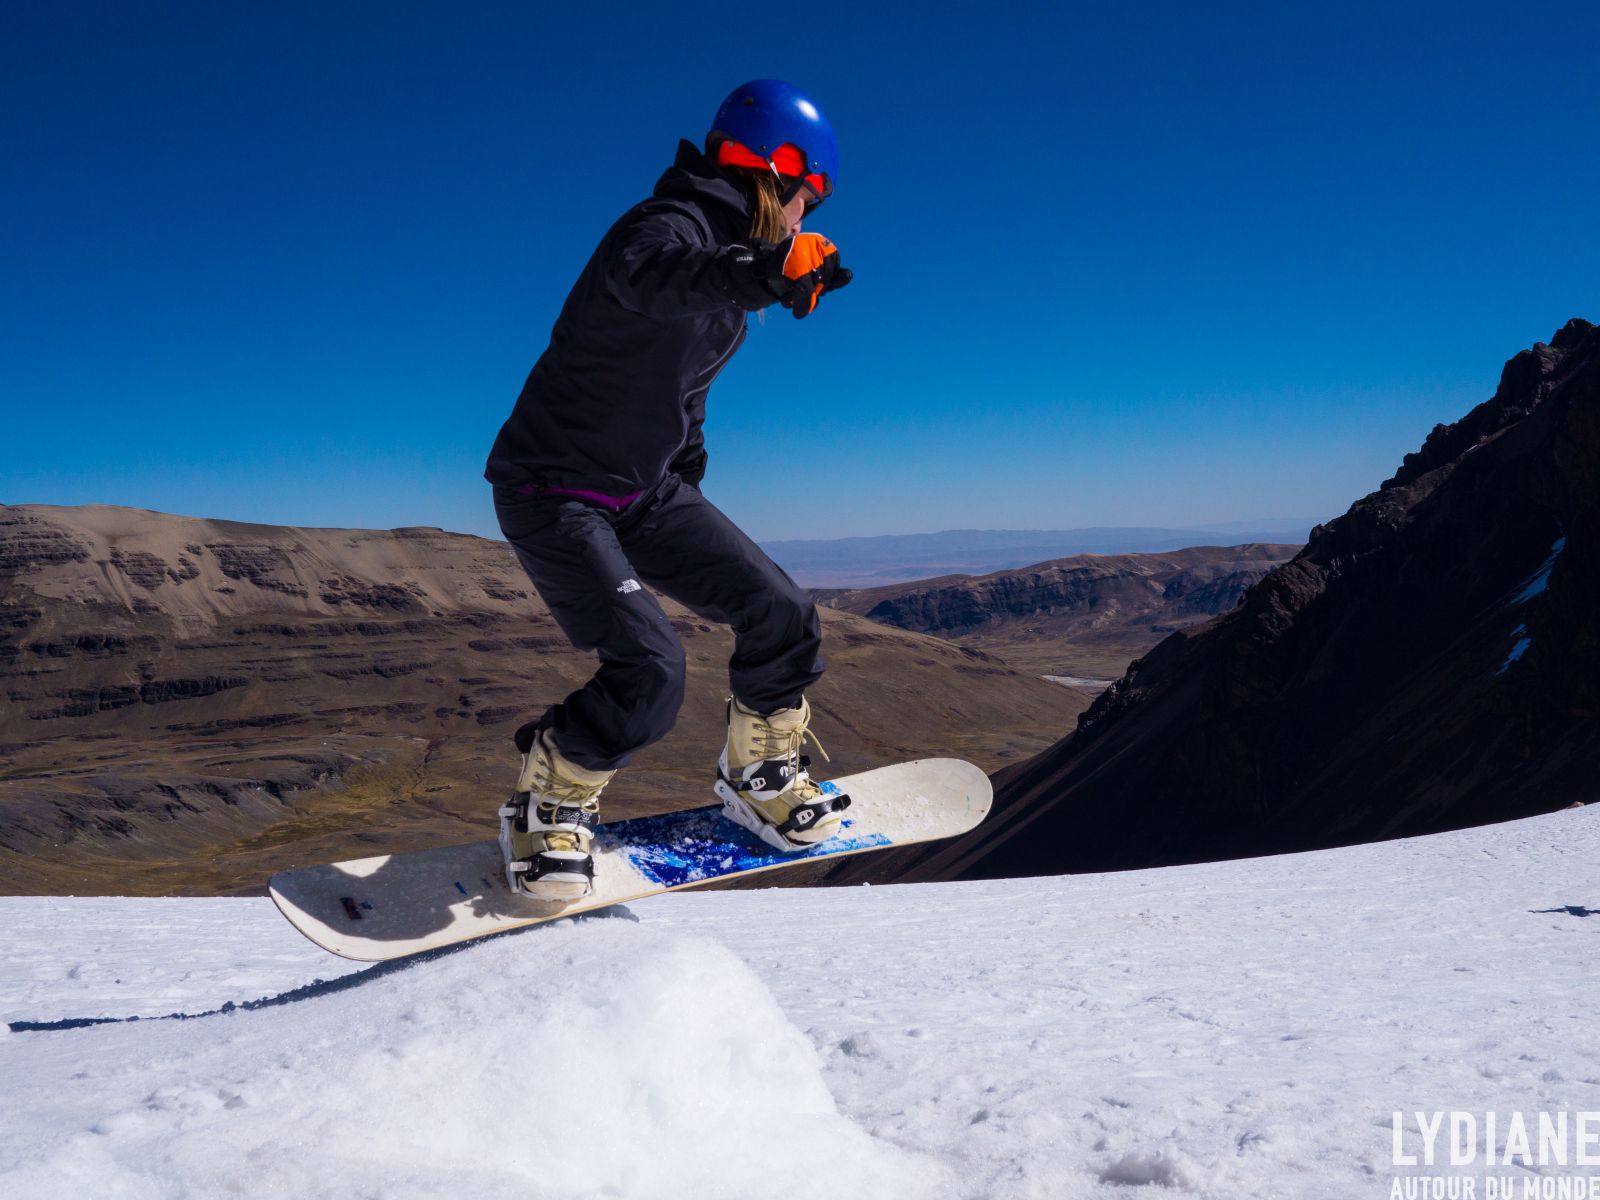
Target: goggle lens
[815, 188]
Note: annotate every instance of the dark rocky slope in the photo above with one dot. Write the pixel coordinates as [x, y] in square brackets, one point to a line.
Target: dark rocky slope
[1430, 660]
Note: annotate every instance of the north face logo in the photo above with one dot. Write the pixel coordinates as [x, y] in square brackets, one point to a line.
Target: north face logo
[629, 585]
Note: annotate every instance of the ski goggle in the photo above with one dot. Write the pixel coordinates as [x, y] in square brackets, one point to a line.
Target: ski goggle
[815, 187]
[788, 166]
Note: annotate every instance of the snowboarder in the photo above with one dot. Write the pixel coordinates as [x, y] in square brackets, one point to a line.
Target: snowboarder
[597, 487]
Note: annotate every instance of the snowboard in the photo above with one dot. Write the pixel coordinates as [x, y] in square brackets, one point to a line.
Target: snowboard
[372, 909]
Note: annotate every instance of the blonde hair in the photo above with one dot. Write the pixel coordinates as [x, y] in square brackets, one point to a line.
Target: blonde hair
[767, 221]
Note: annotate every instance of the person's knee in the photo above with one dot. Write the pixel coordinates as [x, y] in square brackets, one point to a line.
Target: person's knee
[670, 670]
[797, 613]
[655, 689]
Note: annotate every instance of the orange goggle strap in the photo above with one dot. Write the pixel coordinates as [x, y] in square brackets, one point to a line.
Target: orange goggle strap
[787, 162]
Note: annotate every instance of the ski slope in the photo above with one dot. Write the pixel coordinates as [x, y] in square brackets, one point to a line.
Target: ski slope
[1230, 1029]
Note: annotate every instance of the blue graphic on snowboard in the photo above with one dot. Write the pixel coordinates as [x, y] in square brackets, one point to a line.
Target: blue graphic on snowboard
[684, 847]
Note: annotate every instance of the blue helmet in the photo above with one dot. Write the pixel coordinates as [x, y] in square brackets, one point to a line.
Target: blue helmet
[765, 114]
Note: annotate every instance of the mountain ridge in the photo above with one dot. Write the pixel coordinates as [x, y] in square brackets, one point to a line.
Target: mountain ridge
[887, 559]
[1430, 659]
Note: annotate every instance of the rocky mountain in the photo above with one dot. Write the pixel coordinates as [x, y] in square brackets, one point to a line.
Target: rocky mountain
[189, 704]
[1074, 617]
[1430, 660]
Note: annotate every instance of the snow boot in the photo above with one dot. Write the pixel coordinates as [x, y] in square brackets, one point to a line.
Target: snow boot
[763, 782]
[548, 825]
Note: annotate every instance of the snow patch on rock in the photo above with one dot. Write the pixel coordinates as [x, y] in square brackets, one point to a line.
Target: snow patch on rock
[1540, 579]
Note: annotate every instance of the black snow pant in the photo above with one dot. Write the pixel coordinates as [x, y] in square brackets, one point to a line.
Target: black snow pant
[588, 564]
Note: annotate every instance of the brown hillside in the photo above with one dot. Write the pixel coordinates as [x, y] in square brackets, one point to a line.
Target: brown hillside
[190, 705]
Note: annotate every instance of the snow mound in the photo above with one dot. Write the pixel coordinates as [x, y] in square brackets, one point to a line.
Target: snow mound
[597, 1059]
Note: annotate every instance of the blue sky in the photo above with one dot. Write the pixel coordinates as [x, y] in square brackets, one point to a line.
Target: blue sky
[1157, 264]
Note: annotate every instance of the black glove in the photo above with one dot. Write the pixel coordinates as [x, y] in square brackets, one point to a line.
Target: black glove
[797, 272]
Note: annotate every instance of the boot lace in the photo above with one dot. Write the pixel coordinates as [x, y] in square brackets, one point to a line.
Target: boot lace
[555, 792]
[772, 742]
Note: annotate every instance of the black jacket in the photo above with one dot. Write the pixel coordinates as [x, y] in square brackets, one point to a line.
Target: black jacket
[617, 399]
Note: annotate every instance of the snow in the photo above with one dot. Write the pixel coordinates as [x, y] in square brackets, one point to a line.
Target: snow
[1079, 681]
[1534, 585]
[1518, 650]
[1227, 1029]
[1540, 579]
[459, 1077]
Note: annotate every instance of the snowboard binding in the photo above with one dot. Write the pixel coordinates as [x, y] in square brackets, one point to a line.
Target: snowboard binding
[546, 848]
[548, 825]
[764, 783]
[802, 818]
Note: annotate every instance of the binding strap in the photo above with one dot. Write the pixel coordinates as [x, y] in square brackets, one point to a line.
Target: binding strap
[562, 816]
[541, 865]
[804, 816]
[765, 772]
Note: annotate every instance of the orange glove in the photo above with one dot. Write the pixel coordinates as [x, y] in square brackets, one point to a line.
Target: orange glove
[810, 270]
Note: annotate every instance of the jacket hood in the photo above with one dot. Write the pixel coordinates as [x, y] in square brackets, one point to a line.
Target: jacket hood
[695, 176]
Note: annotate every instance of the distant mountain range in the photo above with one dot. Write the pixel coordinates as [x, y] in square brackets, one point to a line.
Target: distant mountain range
[861, 562]
[1085, 617]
